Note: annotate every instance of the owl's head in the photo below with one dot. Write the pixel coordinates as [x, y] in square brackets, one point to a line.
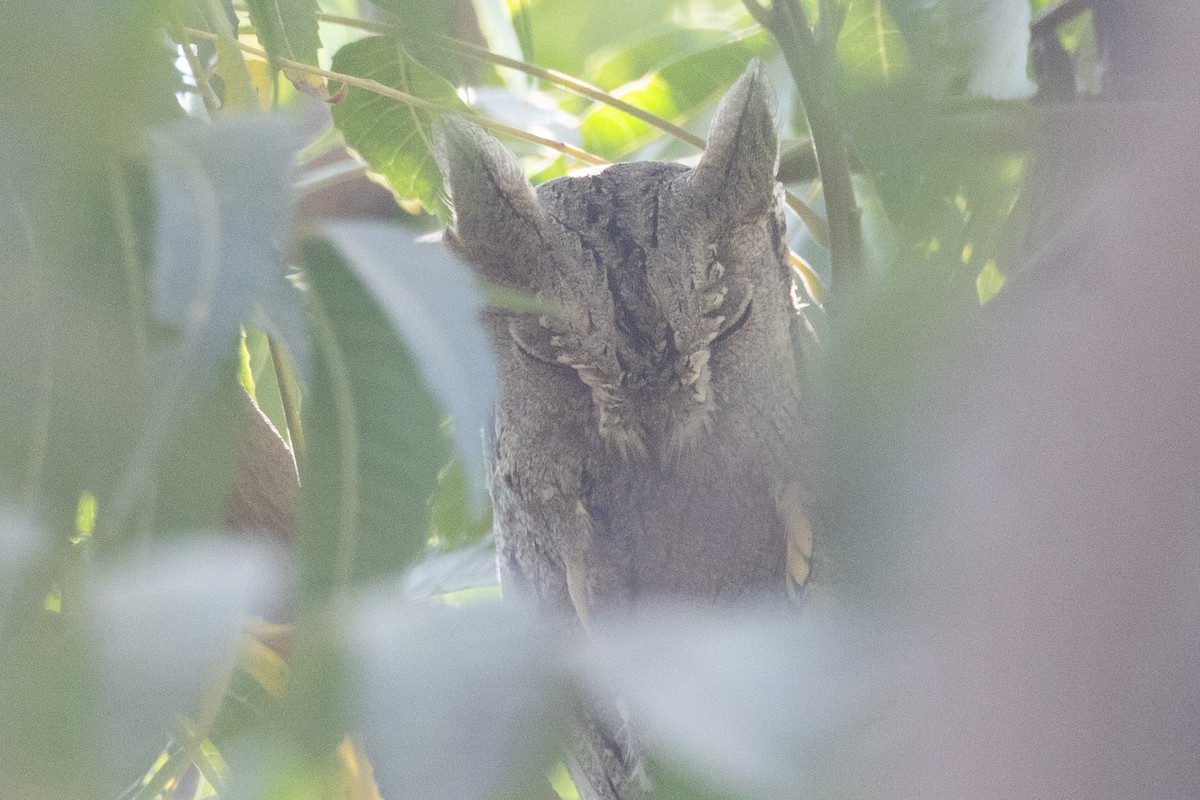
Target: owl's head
[669, 281]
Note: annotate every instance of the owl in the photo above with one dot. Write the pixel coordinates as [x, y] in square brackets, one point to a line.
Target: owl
[648, 440]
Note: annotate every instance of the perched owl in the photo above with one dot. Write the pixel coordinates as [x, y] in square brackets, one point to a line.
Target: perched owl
[648, 432]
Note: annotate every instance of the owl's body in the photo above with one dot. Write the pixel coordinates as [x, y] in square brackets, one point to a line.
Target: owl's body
[648, 430]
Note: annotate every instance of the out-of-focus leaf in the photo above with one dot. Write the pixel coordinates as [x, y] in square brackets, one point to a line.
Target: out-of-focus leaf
[374, 435]
[631, 63]
[393, 137]
[20, 543]
[49, 703]
[465, 568]
[164, 626]
[988, 282]
[462, 704]
[71, 379]
[673, 92]
[971, 47]
[496, 25]
[455, 519]
[288, 29]
[568, 35]
[194, 467]
[433, 302]
[753, 703]
[239, 92]
[223, 215]
[870, 47]
[261, 372]
[155, 631]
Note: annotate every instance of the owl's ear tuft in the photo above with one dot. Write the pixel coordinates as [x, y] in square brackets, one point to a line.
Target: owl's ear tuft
[497, 219]
[740, 159]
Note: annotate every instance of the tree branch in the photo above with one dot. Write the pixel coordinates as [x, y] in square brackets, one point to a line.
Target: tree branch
[812, 71]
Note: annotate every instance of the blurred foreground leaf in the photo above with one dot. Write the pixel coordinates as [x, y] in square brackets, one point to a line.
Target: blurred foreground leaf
[459, 704]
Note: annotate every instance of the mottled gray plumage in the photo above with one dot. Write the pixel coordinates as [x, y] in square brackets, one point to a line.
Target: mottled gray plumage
[648, 435]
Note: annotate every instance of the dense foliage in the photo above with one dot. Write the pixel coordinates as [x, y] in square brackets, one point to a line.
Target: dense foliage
[205, 198]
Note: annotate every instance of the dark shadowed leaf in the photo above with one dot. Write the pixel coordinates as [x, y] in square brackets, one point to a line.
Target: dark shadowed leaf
[391, 136]
[457, 704]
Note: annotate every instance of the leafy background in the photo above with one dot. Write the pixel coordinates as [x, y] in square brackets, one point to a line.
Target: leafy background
[203, 199]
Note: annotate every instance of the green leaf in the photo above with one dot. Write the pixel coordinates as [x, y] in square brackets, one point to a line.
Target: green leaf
[631, 63]
[71, 314]
[989, 282]
[464, 703]
[674, 92]
[288, 29]
[454, 522]
[433, 302]
[394, 137]
[422, 24]
[779, 705]
[374, 436]
[870, 47]
[224, 210]
[970, 47]
[571, 36]
[192, 596]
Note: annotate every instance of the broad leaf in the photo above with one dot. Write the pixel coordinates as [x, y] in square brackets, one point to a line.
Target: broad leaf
[224, 211]
[191, 598]
[433, 302]
[752, 703]
[374, 435]
[288, 29]
[71, 313]
[394, 137]
[870, 47]
[462, 704]
[673, 93]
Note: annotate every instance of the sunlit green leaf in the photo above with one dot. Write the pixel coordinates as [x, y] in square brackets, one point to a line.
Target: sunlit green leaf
[989, 282]
[672, 92]
[394, 137]
[288, 29]
[870, 47]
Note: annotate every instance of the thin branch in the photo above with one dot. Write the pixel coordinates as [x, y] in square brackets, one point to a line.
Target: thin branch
[395, 94]
[817, 226]
[555, 77]
[199, 74]
[815, 223]
[812, 73]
